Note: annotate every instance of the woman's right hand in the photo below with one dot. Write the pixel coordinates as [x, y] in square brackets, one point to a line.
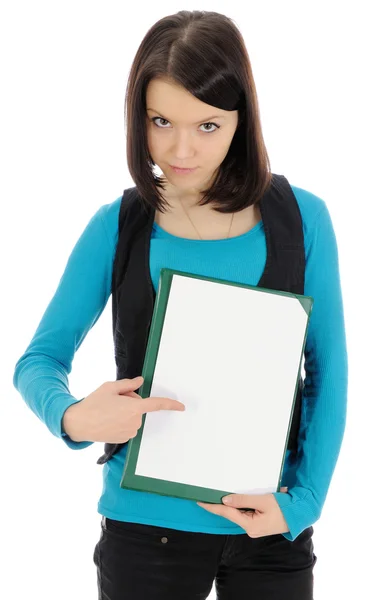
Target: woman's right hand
[113, 412]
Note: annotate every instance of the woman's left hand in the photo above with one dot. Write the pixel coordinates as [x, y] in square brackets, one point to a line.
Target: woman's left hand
[265, 519]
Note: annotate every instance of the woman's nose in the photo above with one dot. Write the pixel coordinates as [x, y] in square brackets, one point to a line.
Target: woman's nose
[183, 146]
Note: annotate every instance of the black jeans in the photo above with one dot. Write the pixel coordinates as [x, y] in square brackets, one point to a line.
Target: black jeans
[142, 562]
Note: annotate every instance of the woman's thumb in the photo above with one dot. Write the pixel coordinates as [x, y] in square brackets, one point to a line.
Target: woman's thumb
[128, 385]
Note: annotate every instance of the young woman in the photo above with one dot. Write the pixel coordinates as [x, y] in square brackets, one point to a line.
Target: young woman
[192, 111]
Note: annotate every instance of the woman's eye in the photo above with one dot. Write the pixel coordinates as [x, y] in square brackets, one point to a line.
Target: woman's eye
[159, 119]
[154, 119]
[212, 130]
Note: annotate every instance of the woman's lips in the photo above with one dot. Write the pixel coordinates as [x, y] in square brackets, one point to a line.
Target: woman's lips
[182, 171]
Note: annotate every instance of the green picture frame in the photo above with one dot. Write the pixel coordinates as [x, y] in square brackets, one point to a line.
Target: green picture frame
[130, 480]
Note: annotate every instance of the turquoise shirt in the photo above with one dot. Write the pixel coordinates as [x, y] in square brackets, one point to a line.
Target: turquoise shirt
[41, 373]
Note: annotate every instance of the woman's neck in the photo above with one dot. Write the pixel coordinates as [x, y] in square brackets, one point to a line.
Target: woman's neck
[210, 224]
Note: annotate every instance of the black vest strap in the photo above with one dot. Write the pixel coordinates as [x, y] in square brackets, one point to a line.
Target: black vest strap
[133, 294]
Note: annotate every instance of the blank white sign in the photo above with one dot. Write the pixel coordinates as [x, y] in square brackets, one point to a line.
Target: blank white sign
[232, 356]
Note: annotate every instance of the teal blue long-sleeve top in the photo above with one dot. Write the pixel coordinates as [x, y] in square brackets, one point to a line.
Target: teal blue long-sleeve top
[41, 373]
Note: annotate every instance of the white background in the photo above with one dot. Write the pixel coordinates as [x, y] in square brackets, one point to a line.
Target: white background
[64, 70]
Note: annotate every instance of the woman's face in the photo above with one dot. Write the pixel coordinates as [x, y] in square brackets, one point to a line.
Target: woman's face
[187, 133]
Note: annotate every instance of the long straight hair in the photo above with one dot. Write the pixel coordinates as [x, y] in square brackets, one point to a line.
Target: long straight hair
[205, 53]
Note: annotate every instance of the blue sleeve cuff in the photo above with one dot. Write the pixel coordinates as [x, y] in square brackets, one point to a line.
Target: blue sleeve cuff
[299, 510]
[75, 445]
[55, 421]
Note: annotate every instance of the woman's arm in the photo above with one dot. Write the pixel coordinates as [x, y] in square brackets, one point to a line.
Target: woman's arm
[41, 373]
[325, 392]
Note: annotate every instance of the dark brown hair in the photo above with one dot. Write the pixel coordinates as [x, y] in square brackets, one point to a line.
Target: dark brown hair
[205, 53]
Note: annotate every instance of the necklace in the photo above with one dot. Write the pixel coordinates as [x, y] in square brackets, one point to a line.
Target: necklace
[188, 216]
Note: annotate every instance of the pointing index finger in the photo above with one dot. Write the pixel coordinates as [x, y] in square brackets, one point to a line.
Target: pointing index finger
[156, 403]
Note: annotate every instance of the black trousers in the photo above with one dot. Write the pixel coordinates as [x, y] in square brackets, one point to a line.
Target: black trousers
[142, 562]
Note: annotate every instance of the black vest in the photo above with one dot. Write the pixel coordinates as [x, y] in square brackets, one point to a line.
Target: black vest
[133, 294]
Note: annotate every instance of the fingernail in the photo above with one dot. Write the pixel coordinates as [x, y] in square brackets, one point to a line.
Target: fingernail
[227, 500]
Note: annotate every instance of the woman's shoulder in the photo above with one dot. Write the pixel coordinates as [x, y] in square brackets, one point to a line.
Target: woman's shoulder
[309, 203]
[310, 206]
[109, 213]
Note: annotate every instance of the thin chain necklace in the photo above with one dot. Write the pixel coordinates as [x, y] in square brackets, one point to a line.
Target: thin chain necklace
[188, 216]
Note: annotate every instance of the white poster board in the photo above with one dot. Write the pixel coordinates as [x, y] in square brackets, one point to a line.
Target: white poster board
[232, 355]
